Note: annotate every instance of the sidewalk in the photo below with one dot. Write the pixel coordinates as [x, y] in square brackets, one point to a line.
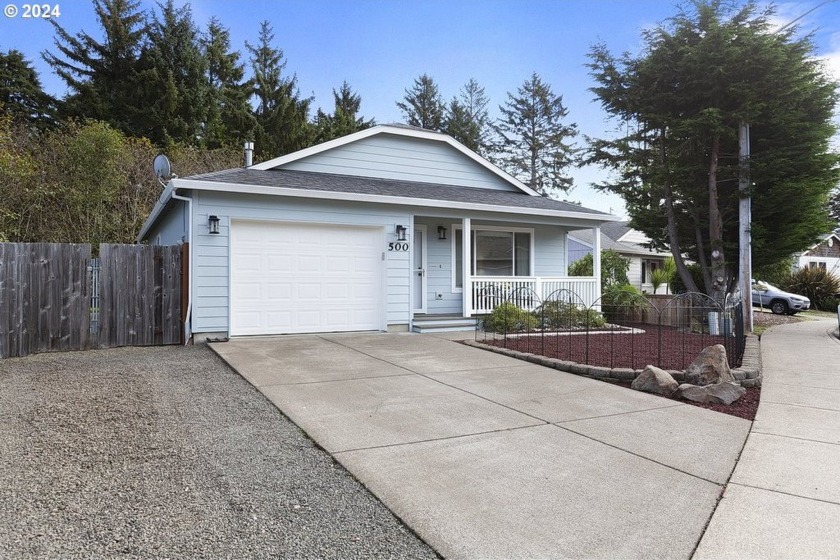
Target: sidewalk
[783, 500]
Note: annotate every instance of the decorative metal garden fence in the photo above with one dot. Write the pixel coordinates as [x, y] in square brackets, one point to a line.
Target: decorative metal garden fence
[622, 329]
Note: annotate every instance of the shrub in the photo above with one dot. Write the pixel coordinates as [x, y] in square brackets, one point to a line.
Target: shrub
[507, 317]
[561, 315]
[678, 287]
[614, 268]
[664, 275]
[657, 278]
[623, 301]
[817, 284]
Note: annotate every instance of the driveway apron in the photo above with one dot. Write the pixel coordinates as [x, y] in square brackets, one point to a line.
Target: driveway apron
[486, 456]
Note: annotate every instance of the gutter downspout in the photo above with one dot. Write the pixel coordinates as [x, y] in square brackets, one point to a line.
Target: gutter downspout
[188, 200]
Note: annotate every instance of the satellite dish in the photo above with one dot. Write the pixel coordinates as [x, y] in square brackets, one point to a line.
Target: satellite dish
[162, 168]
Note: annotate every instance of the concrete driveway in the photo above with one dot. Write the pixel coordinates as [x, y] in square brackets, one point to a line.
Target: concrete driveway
[487, 456]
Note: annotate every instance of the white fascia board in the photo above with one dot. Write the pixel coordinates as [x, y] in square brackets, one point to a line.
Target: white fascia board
[394, 200]
[397, 131]
[317, 149]
[157, 210]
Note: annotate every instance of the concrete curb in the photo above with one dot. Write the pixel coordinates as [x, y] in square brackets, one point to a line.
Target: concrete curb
[748, 375]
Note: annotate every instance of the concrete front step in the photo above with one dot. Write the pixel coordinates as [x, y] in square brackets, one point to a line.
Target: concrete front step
[429, 324]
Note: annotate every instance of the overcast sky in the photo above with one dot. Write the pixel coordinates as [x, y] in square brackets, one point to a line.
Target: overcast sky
[379, 47]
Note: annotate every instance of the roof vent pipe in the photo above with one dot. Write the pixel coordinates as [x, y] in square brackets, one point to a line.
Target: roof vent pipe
[249, 154]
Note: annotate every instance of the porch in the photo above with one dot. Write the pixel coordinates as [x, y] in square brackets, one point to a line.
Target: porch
[528, 292]
[466, 267]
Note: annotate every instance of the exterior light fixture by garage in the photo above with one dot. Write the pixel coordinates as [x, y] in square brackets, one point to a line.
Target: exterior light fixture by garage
[441, 233]
[400, 230]
[213, 223]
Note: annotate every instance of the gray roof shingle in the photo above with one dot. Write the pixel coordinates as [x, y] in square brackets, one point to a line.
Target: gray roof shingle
[307, 180]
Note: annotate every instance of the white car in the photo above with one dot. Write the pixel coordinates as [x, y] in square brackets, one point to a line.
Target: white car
[777, 300]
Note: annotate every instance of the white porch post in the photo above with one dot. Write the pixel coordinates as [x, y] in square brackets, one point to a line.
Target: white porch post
[466, 251]
[596, 260]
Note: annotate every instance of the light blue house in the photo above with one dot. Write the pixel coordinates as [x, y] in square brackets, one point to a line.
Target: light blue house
[388, 229]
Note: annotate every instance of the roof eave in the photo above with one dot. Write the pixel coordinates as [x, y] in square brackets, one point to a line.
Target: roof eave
[385, 199]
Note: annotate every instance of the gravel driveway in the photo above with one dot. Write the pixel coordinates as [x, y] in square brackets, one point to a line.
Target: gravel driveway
[165, 452]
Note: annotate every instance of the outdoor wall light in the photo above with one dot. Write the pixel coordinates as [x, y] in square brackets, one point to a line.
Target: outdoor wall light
[441, 233]
[400, 232]
[213, 223]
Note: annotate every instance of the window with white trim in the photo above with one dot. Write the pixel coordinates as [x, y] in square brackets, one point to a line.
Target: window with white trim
[496, 251]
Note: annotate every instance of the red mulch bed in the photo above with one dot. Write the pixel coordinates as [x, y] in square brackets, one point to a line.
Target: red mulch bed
[621, 349]
[617, 348]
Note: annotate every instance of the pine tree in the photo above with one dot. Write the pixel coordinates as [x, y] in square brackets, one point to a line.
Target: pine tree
[21, 96]
[344, 119]
[103, 76]
[174, 84]
[229, 121]
[681, 104]
[467, 119]
[281, 115]
[423, 105]
[534, 143]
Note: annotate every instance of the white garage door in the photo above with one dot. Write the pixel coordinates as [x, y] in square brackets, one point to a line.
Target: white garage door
[293, 278]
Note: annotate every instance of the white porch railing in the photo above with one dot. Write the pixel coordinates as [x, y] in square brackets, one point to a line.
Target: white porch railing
[527, 292]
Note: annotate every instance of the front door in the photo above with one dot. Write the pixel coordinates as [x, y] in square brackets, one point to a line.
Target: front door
[419, 270]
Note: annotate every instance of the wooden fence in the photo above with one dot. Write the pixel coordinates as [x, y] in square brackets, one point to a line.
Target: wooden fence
[44, 298]
[47, 289]
[139, 295]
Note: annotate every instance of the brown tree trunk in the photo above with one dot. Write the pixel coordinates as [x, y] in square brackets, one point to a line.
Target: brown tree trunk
[717, 261]
[673, 238]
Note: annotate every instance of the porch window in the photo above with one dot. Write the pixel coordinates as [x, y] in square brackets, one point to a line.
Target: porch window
[496, 252]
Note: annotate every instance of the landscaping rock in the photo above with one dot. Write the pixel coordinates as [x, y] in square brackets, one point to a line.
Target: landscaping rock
[717, 393]
[710, 367]
[655, 380]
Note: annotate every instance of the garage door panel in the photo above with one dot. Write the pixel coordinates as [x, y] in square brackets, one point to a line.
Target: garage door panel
[291, 278]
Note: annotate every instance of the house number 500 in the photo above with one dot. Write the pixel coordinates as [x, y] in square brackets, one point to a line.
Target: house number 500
[398, 246]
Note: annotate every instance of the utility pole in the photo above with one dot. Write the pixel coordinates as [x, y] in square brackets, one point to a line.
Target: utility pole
[744, 219]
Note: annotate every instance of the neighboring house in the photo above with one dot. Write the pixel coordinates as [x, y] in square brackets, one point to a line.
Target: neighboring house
[365, 232]
[629, 243]
[824, 255]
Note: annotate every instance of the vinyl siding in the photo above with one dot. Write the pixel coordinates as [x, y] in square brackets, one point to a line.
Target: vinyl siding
[549, 259]
[171, 227]
[211, 253]
[394, 157]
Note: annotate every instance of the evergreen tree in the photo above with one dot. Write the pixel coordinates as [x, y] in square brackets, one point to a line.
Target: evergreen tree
[533, 141]
[281, 115]
[467, 119]
[229, 120]
[174, 84]
[423, 105]
[103, 76]
[21, 96]
[344, 119]
[681, 103]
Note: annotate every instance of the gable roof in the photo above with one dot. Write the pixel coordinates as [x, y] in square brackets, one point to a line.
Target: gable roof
[394, 130]
[271, 178]
[585, 236]
[616, 230]
[832, 238]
